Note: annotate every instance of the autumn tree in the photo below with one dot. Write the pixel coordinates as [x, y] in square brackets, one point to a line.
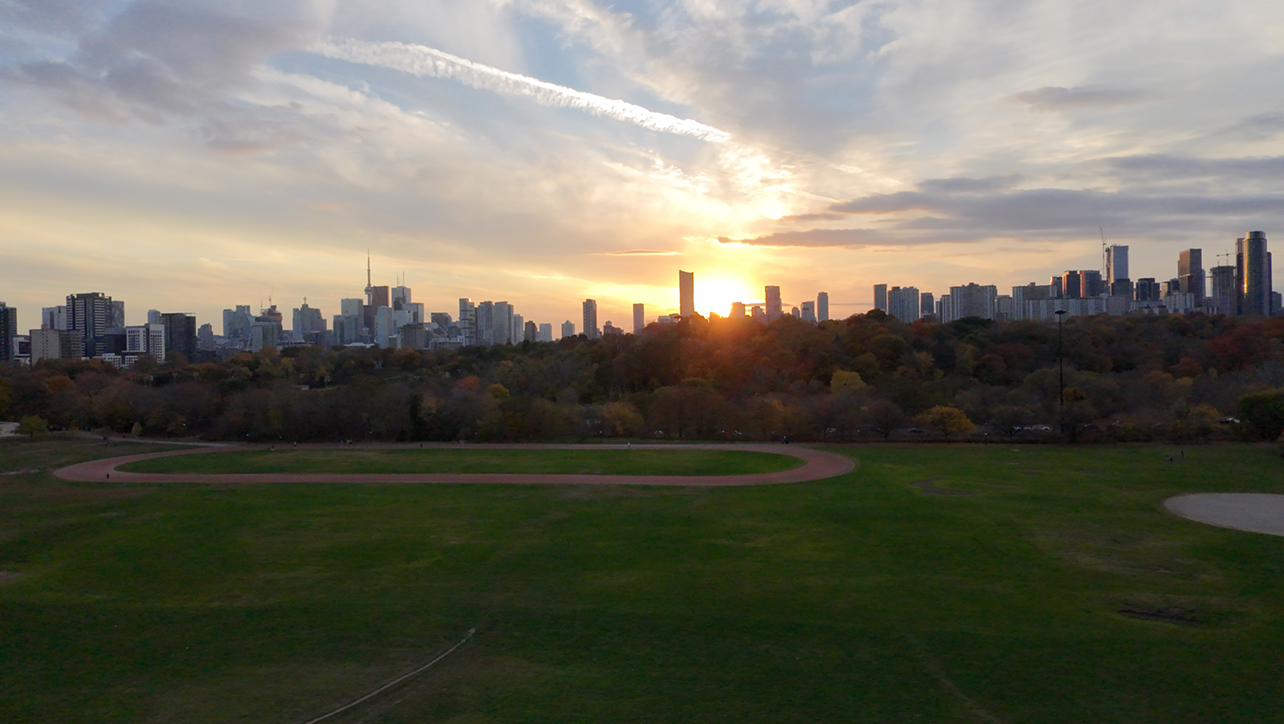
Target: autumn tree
[948, 421]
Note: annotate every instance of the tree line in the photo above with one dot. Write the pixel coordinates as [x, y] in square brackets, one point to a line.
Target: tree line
[868, 377]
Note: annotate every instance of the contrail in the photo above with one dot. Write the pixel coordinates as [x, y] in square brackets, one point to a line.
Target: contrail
[424, 61]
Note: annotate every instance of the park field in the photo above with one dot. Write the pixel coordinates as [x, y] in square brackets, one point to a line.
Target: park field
[950, 583]
[437, 460]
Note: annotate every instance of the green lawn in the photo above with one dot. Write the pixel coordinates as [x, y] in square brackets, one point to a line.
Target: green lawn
[597, 462]
[857, 599]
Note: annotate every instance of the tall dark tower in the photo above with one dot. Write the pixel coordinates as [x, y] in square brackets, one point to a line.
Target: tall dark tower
[1253, 275]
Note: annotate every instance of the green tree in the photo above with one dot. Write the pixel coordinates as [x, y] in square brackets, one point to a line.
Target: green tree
[844, 380]
[1009, 419]
[1263, 413]
[6, 396]
[32, 425]
[883, 416]
[947, 420]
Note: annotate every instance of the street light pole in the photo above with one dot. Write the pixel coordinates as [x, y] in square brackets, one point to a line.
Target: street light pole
[1061, 374]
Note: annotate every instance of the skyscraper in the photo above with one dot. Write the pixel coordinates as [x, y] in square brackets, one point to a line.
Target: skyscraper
[54, 318]
[773, 303]
[972, 300]
[880, 297]
[568, 329]
[117, 320]
[87, 318]
[1147, 290]
[737, 310]
[809, 312]
[1071, 285]
[639, 318]
[545, 332]
[502, 324]
[467, 320]
[927, 304]
[8, 330]
[904, 304]
[822, 307]
[686, 293]
[1253, 274]
[530, 332]
[1190, 273]
[180, 334]
[1116, 263]
[590, 319]
[1221, 296]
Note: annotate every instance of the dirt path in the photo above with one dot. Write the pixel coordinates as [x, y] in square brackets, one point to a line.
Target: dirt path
[819, 465]
[1252, 512]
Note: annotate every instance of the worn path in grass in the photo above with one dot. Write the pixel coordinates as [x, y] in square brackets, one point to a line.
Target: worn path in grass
[1251, 512]
[817, 465]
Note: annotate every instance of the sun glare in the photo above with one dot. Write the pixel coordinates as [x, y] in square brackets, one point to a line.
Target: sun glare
[716, 295]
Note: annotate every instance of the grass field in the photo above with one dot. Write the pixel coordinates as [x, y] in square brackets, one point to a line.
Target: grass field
[589, 462]
[1056, 591]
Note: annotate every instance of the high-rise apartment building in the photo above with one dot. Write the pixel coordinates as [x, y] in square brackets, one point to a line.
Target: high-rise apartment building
[1148, 290]
[1253, 274]
[880, 297]
[927, 304]
[568, 329]
[773, 303]
[117, 320]
[1190, 273]
[180, 334]
[737, 310]
[530, 332]
[146, 339]
[972, 300]
[8, 330]
[502, 324]
[639, 318]
[590, 319]
[205, 337]
[54, 318]
[545, 332]
[1221, 293]
[237, 323]
[307, 321]
[686, 293]
[822, 307]
[809, 312]
[87, 318]
[904, 303]
[468, 320]
[46, 343]
[1072, 285]
[1116, 264]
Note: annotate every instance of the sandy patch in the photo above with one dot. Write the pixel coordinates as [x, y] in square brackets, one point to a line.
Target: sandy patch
[1252, 512]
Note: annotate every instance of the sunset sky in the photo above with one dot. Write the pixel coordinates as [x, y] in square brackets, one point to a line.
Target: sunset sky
[194, 155]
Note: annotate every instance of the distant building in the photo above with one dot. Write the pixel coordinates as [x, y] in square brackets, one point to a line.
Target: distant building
[639, 318]
[822, 307]
[927, 304]
[610, 329]
[1190, 273]
[467, 320]
[1116, 263]
[737, 310]
[545, 332]
[904, 303]
[414, 336]
[154, 316]
[145, 339]
[1253, 274]
[668, 319]
[1221, 295]
[686, 293]
[236, 323]
[54, 318]
[774, 310]
[796, 313]
[590, 319]
[8, 330]
[809, 312]
[88, 317]
[530, 332]
[1072, 285]
[757, 314]
[1147, 290]
[880, 297]
[180, 335]
[307, 321]
[117, 320]
[568, 329]
[502, 323]
[45, 344]
[205, 337]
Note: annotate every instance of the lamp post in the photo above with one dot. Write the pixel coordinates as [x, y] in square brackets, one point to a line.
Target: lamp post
[1061, 374]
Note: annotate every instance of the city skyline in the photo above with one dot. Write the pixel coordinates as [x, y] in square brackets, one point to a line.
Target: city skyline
[549, 153]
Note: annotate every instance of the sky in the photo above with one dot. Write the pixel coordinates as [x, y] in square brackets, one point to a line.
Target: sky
[190, 155]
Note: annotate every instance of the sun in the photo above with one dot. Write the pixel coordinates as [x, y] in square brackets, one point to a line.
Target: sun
[717, 294]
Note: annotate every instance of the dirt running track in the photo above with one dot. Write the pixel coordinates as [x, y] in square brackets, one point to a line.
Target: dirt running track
[819, 465]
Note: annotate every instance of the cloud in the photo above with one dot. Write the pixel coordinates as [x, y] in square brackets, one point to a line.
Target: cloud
[423, 61]
[636, 252]
[157, 62]
[1057, 98]
[1172, 167]
[850, 238]
[964, 185]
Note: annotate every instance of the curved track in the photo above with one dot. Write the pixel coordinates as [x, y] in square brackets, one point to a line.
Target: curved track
[1251, 512]
[819, 465]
